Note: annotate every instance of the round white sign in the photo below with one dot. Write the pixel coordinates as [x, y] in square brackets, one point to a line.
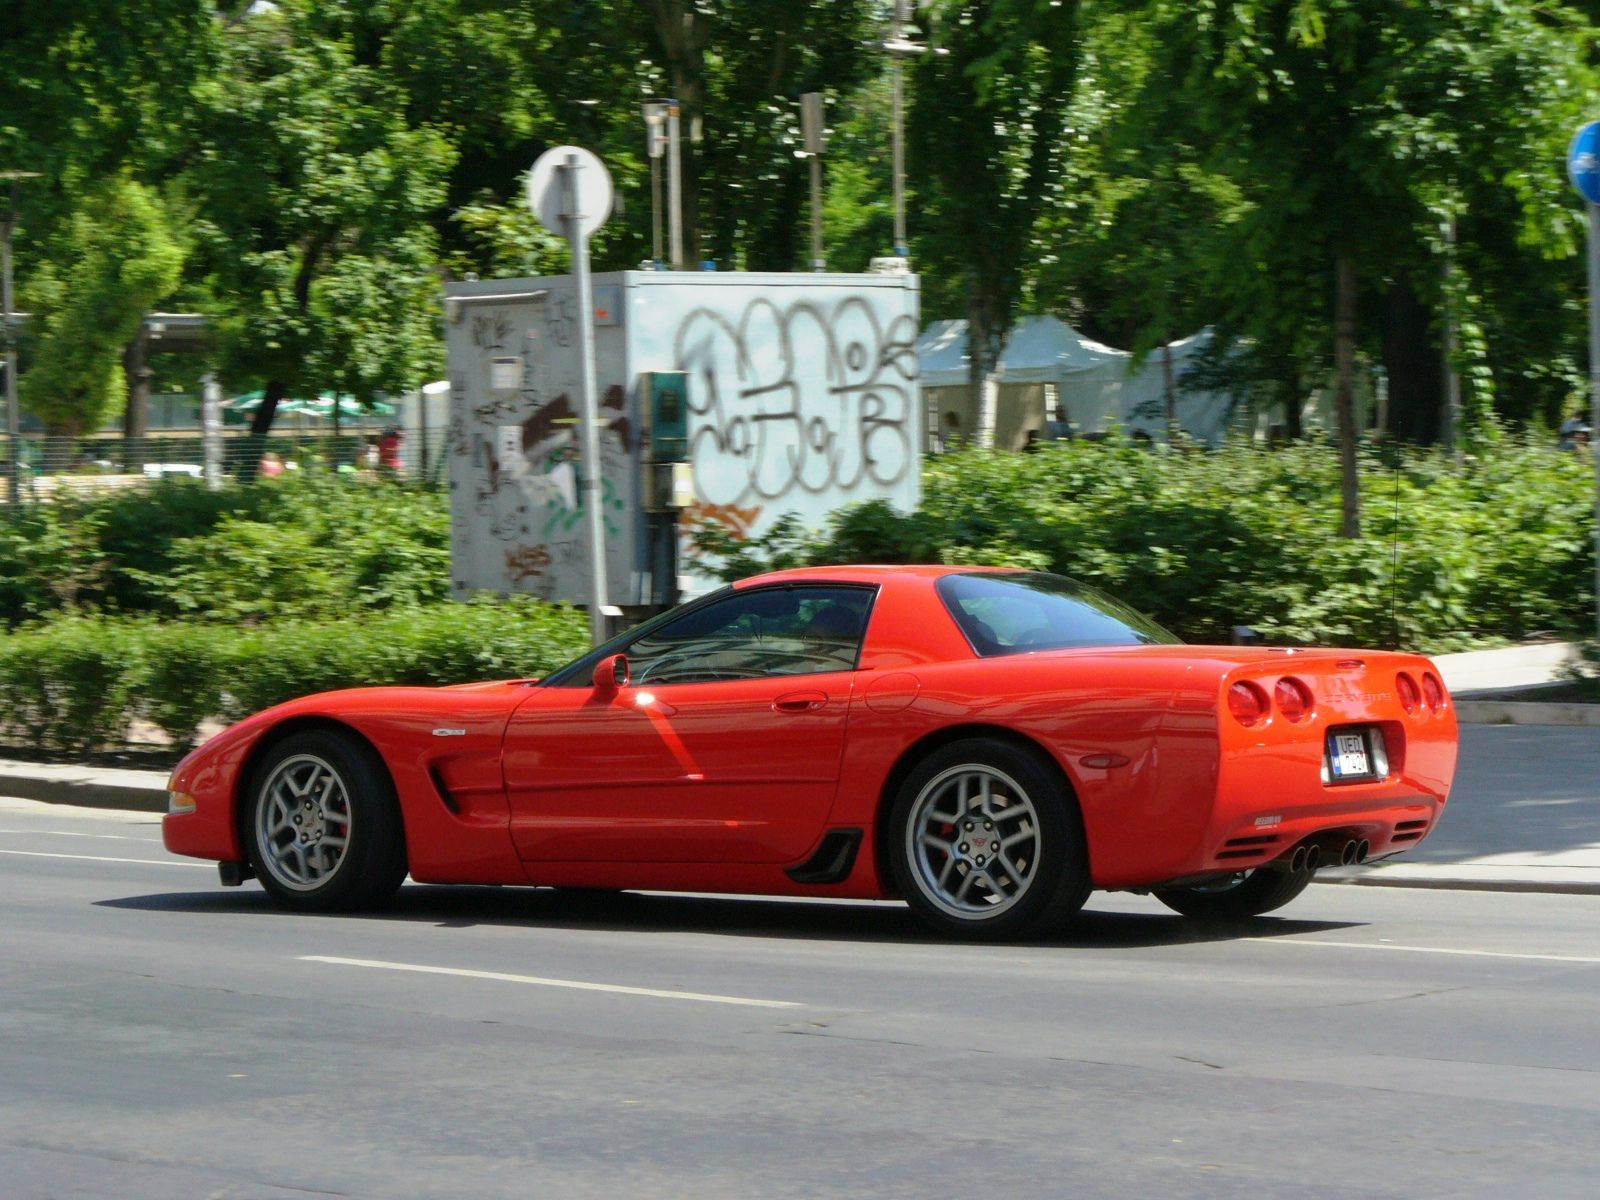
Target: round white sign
[547, 191]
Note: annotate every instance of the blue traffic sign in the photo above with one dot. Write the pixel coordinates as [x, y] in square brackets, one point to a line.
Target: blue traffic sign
[1583, 162]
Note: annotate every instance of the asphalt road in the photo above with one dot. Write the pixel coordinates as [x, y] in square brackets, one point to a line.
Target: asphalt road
[162, 1037]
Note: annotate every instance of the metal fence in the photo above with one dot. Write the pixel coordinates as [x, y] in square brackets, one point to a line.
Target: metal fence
[53, 466]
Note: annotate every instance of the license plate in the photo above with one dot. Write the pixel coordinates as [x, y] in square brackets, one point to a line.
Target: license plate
[1349, 756]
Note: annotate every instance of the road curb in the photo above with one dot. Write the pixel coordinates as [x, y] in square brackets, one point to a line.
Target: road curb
[1526, 712]
[130, 791]
[1455, 883]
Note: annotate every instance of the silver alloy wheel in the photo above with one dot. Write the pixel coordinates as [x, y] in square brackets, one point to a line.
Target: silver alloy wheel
[303, 822]
[973, 841]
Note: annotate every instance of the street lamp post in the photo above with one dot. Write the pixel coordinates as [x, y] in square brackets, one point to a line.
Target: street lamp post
[13, 419]
[811, 123]
[655, 121]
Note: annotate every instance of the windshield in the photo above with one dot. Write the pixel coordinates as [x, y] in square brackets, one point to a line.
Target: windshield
[1014, 613]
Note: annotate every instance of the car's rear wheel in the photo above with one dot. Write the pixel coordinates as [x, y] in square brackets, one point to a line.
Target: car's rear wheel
[1237, 896]
[324, 832]
[985, 841]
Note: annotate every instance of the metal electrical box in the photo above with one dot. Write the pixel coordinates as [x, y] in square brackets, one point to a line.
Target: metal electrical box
[747, 396]
[668, 411]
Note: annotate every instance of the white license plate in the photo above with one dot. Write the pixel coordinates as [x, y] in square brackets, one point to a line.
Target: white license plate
[1348, 757]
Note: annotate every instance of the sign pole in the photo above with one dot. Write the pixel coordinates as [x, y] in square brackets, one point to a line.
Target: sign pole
[1594, 388]
[569, 190]
[593, 483]
[1583, 168]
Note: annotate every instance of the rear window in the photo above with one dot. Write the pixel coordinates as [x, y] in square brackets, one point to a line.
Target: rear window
[1017, 612]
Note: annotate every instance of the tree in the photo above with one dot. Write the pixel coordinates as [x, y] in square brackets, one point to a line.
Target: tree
[315, 198]
[111, 261]
[985, 145]
[1354, 127]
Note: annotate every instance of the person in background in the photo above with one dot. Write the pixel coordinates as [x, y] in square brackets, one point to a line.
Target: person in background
[270, 465]
[1059, 429]
[1575, 432]
[390, 459]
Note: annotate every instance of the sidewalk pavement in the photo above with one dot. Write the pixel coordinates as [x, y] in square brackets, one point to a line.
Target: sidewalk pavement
[1496, 835]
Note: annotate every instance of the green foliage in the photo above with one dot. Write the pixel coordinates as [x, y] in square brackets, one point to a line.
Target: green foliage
[114, 259]
[306, 545]
[1502, 550]
[67, 686]
[78, 683]
[315, 196]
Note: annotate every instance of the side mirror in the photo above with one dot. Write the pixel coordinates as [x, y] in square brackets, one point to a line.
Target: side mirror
[611, 673]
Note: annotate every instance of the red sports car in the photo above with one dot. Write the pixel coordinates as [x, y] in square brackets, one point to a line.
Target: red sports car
[988, 745]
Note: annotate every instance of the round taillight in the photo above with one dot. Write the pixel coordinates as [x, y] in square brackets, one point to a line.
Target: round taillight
[1247, 703]
[1410, 698]
[1293, 699]
[1432, 691]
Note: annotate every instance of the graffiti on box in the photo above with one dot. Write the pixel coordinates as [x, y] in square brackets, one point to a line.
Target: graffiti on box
[521, 443]
[804, 399]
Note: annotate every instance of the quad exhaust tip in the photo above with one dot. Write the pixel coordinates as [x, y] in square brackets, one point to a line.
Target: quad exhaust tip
[1305, 858]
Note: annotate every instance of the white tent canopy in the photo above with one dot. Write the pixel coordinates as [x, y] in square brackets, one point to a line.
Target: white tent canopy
[1046, 362]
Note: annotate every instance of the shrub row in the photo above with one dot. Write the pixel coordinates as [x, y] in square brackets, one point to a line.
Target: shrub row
[80, 682]
[1498, 548]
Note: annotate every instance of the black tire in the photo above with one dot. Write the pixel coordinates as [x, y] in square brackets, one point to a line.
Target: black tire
[1237, 897]
[322, 824]
[985, 842]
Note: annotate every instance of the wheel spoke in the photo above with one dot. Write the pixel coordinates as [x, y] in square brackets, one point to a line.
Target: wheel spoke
[1004, 863]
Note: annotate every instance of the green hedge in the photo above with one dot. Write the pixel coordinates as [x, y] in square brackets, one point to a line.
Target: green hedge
[1498, 549]
[78, 683]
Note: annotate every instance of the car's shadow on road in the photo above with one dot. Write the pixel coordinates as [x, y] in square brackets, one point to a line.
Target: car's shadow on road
[733, 916]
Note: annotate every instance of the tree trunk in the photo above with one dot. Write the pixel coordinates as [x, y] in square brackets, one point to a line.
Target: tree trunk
[1169, 388]
[260, 426]
[986, 333]
[1344, 356]
[136, 417]
[1412, 363]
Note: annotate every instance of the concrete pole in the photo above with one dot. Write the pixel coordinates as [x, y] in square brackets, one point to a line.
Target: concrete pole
[211, 431]
[593, 481]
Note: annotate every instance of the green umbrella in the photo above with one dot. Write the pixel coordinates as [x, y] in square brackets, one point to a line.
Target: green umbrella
[240, 407]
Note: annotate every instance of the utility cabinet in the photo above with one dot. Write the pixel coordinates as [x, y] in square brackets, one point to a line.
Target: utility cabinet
[723, 397]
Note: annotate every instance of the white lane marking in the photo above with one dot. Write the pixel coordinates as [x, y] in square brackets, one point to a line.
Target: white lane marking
[1566, 958]
[147, 862]
[578, 985]
[109, 837]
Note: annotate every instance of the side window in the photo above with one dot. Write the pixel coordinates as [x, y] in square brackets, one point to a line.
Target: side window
[794, 630]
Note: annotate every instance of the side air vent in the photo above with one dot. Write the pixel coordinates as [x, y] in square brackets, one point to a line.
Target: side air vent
[444, 792]
[1248, 847]
[1409, 831]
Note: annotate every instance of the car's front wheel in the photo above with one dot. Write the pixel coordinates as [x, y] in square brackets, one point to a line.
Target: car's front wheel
[985, 841]
[323, 825]
[1237, 896]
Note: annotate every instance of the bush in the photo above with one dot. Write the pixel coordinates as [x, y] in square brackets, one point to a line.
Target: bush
[77, 683]
[1500, 549]
[66, 685]
[310, 545]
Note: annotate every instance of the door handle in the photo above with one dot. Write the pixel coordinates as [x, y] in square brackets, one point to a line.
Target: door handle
[799, 702]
